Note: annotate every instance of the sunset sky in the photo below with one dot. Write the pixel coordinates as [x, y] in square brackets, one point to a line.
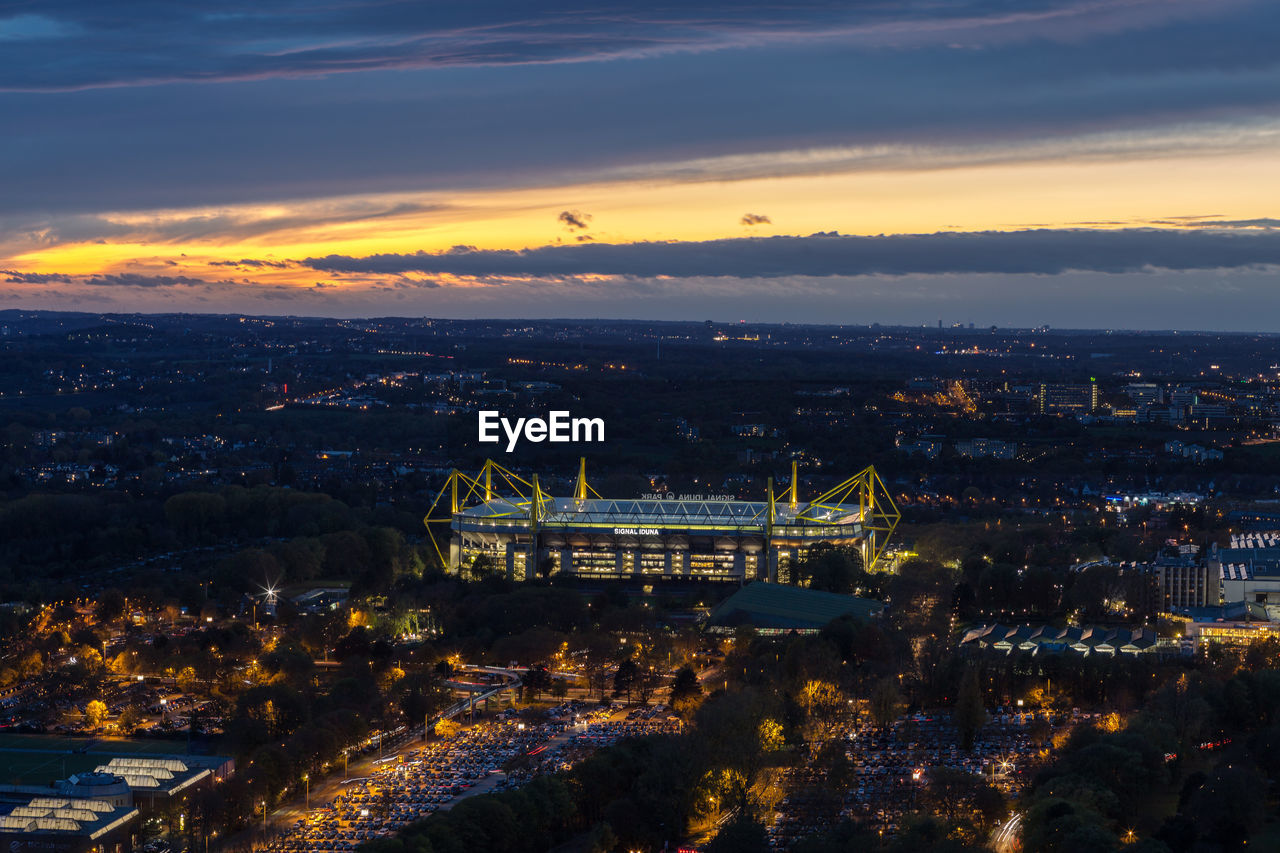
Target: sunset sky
[1081, 163]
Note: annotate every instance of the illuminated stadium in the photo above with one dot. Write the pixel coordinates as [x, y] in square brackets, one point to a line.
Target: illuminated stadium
[521, 529]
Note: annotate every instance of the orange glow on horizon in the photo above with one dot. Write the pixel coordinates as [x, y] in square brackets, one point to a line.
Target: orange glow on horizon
[1095, 193]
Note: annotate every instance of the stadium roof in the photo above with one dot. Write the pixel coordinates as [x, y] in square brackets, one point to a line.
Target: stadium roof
[499, 501]
[606, 511]
[780, 607]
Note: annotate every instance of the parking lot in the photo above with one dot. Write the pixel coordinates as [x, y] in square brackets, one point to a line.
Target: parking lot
[495, 754]
[891, 769]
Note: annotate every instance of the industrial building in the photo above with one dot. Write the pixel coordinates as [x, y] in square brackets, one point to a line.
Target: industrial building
[1249, 569]
[67, 825]
[507, 523]
[772, 609]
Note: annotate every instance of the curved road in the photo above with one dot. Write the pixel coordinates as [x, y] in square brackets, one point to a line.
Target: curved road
[1007, 838]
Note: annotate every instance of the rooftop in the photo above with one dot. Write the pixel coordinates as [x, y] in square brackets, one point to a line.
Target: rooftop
[155, 775]
[1236, 611]
[607, 511]
[28, 759]
[70, 816]
[775, 606]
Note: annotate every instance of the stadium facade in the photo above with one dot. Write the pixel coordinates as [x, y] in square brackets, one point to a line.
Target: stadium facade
[512, 524]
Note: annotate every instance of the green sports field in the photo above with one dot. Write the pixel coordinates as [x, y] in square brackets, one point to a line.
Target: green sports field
[42, 759]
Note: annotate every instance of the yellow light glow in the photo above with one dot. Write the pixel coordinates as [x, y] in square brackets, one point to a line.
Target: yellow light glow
[999, 196]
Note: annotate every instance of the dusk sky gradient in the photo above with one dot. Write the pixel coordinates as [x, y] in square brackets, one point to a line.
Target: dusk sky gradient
[1081, 163]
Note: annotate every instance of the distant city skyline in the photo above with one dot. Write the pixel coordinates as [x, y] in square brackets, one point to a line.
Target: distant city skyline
[1065, 162]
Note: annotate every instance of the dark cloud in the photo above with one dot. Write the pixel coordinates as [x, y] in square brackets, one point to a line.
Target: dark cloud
[1046, 70]
[755, 219]
[77, 44]
[1264, 222]
[1045, 252]
[574, 219]
[254, 263]
[138, 280]
[16, 277]
[110, 279]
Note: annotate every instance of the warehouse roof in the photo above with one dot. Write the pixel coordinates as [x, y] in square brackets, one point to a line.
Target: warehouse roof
[774, 607]
[82, 817]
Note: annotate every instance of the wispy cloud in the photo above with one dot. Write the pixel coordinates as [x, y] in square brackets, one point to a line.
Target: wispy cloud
[279, 221]
[125, 279]
[252, 263]
[969, 78]
[86, 44]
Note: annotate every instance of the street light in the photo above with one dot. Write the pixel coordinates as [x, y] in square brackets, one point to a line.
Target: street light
[306, 778]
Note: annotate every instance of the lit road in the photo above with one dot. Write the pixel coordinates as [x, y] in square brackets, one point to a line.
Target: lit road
[1008, 837]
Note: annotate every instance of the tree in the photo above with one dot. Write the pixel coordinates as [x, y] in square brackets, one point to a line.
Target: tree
[624, 680]
[825, 708]
[602, 839]
[482, 567]
[771, 735]
[110, 606]
[31, 665]
[95, 713]
[685, 690]
[601, 651]
[1182, 705]
[274, 710]
[420, 695]
[648, 676]
[956, 794]
[834, 568]
[1057, 825]
[536, 645]
[886, 702]
[731, 724]
[90, 660]
[741, 835]
[1229, 807]
[129, 719]
[970, 712]
[186, 679]
[536, 680]
[194, 514]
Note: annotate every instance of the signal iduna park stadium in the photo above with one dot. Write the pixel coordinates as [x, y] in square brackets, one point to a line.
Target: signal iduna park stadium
[517, 527]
